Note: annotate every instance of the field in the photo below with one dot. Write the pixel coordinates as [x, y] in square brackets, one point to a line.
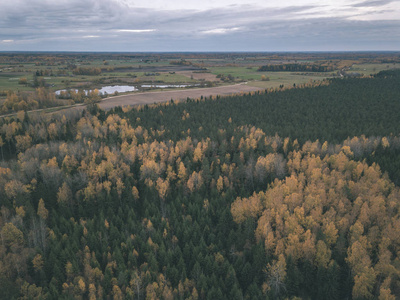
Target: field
[373, 68]
[21, 73]
[154, 97]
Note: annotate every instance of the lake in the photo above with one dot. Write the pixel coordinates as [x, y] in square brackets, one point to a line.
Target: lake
[111, 89]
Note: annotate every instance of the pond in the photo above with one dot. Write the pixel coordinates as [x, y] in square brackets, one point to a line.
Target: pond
[111, 89]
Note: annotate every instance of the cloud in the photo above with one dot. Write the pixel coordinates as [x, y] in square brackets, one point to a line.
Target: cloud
[220, 30]
[7, 41]
[125, 26]
[136, 30]
[372, 3]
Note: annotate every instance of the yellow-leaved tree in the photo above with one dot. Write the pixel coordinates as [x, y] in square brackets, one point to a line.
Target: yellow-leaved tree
[302, 217]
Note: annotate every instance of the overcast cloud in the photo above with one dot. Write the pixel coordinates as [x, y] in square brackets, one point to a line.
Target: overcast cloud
[226, 25]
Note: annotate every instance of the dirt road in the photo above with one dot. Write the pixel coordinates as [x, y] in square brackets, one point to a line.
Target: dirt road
[155, 97]
[152, 97]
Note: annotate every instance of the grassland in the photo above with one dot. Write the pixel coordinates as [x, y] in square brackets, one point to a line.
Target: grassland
[57, 71]
[373, 68]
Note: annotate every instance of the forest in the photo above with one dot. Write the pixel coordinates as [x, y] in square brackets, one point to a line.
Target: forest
[277, 194]
[295, 68]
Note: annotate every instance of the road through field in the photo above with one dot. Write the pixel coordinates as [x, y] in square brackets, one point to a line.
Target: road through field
[155, 97]
[162, 96]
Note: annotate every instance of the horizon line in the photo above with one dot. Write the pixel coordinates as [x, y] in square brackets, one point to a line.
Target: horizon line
[203, 51]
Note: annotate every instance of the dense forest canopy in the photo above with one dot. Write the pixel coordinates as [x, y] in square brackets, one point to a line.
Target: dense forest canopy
[333, 111]
[272, 195]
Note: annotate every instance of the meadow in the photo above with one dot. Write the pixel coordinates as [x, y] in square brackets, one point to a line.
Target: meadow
[21, 74]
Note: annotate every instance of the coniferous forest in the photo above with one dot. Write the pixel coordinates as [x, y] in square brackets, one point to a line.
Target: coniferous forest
[282, 194]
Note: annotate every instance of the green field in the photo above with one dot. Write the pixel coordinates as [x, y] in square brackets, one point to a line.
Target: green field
[57, 71]
[367, 69]
[167, 68]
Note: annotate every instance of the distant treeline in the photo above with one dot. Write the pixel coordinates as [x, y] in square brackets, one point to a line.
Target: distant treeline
[181, 62]
[295, 68]
[86, 71]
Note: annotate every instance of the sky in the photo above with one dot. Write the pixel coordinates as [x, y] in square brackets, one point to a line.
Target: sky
[186, 25]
